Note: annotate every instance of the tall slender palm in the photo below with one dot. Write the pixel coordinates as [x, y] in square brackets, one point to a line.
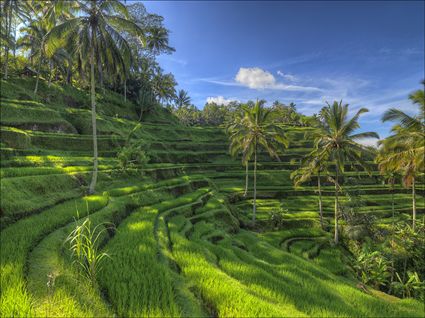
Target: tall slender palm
[98, 27]
[312, 164]
[257, 130]
[11, 11]
[236, 144]
[403, 151]
[337, 143]
[33, 39]
[182, 98]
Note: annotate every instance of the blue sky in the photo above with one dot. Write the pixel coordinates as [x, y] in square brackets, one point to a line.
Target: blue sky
[370, 54]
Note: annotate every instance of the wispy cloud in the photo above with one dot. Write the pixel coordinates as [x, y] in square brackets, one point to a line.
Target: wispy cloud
[220, 100]
[259, 79]
[172, 59]
[286, 76]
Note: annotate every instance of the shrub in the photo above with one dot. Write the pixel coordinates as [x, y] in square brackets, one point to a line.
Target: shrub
[83, 241]
[372, 268]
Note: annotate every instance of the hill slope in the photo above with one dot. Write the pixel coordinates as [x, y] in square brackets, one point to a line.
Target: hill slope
[180, 245]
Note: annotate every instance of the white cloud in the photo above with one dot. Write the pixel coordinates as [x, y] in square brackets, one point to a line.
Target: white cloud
[257, 78]
[288, 77]
[220, 100]
[369, 142]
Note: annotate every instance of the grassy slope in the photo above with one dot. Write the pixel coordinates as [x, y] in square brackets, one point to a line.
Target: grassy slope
[178, 248]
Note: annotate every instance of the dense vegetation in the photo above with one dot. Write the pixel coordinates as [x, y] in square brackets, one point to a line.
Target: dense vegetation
[119, 197]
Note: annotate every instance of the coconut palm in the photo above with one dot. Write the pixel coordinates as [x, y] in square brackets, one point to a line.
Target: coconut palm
[336, 143]
[182, 98]
[12, 11]
[163, 86]
[236, 144]
[312, 164]
[157, 41]
[256, 130]
[33, 39]
[403, 151]
[97, 28]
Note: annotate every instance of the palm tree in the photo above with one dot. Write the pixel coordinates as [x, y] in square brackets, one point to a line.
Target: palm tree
[98, 27]
[256, 130]
[157, 41]
[312, 164]
[236, 144]
[403, 151]
[182, 98]
[11, 10]
[163, 86]
[336, 142]
[33, 39]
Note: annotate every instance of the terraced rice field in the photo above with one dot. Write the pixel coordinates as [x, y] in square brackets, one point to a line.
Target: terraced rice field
[179, 243]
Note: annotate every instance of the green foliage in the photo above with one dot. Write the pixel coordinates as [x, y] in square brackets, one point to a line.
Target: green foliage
[411, 287]
[372, 268]
[84, 244]
[277, 218]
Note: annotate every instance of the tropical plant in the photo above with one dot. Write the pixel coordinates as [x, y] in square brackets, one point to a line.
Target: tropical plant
[12, 12]
[255, 131]
[310, 165]
[182, 99]
[277, 218]
[336, 143]
[97, 29]
[236, 144]
[404, 150]
[372, 268]
[84, 244]
[133, 152]
[410, 287]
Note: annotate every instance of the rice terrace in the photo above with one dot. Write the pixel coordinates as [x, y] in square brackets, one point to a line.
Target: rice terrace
[212, 158]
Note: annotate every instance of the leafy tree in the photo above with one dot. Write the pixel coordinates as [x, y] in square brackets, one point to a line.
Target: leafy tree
[214, 114]
[258, 131]
[336, 143]
[97, 28]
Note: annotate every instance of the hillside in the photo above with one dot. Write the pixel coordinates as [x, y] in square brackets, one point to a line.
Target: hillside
[181, 243]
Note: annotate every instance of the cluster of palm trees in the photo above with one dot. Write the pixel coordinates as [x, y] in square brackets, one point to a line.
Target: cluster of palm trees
[402, 153]
[104, 42]
[336, 145]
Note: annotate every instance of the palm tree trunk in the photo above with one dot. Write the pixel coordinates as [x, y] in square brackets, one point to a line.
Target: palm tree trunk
[414, 204]
[320, 199]
[392, 237]
[99, 69]
[14, 44]
[255, 184]
[125, 89]
[392, 203]
[93, 119]
[38, 74]
[336, 205]
[68, 75]
[246, 179]
[50, 73]
[8, 27]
